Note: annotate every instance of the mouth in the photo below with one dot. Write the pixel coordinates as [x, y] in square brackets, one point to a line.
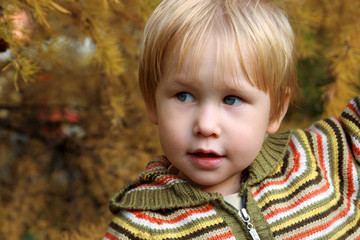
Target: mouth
[209, 155]
[206, 159]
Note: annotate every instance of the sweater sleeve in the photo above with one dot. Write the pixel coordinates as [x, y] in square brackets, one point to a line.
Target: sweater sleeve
[314, 191]
[350, 119]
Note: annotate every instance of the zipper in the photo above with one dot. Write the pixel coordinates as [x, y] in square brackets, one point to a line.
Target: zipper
[246, 218]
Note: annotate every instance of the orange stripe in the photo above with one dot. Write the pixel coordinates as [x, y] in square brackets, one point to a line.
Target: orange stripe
[341, 214]
[357, 238]
[162, 182]
[356, 149]
[293, 170]
[352, 107]
[155, 165]
[110, 236]
[226, 235]
[298, 202]
[179, 218]
[311, 194]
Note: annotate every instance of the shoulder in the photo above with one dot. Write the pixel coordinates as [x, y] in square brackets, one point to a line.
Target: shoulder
[316, 179]
[337, 137]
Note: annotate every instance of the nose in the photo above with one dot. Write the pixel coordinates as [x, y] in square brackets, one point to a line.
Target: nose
[207, 122]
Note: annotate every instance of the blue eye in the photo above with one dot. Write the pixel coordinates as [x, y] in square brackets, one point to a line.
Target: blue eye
[185, 97]
[232, 100]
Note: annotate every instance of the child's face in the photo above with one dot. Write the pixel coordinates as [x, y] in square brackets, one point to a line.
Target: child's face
[211, 129]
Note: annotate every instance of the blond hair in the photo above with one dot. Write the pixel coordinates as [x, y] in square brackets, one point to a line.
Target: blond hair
[252, 27]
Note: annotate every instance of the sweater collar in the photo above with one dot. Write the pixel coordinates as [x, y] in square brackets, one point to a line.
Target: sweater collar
[157, 188]
[271, 153]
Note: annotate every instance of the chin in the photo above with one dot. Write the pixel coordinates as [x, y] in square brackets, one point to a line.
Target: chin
[205, 183]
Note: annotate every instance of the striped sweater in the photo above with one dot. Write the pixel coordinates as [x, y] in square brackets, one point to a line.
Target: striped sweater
[304, 184]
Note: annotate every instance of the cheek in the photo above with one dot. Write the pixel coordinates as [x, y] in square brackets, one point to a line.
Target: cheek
[247, 140]
[173, 125]
[172, 136]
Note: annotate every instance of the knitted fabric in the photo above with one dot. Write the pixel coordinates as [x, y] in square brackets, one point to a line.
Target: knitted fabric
[302, 185]
[162, 215]
[314, 192]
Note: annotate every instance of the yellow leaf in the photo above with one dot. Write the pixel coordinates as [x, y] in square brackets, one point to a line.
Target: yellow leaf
[59, 8]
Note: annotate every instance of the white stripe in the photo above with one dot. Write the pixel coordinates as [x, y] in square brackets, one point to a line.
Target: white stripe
[292, 177]
[352, 211]
[317, 198]
[326, 194]
[355, 141]
[353, 102]
[165, 226]
[167, 185]
[340, 221]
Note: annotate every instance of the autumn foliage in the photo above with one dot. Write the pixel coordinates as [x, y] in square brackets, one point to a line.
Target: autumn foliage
[73, 127]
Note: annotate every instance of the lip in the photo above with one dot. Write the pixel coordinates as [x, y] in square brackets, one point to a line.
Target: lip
[206, 158]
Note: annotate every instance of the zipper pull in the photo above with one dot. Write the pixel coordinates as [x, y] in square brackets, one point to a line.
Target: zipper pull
[246, 218]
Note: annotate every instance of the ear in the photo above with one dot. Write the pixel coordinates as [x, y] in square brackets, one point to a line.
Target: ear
[152, 113]
[274, 125]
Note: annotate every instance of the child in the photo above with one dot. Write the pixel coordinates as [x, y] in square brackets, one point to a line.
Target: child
[217, 77]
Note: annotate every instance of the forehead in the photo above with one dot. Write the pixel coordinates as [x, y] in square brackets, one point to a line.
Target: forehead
[222, 57]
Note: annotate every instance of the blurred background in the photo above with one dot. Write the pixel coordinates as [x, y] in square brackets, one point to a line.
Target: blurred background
[73, 127]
